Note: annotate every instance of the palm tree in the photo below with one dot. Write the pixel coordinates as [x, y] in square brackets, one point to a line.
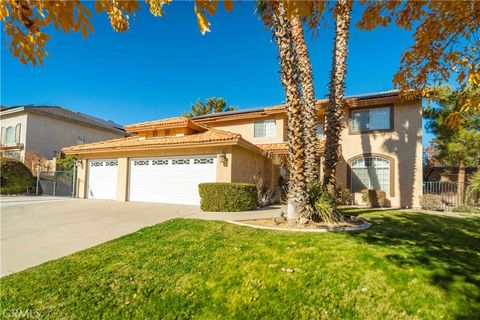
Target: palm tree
[297, 189]
[335, 109]
[308, 97]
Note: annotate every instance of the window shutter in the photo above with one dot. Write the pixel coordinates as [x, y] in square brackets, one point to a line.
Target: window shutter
[2, 137]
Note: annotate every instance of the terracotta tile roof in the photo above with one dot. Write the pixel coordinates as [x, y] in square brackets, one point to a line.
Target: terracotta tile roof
[275, 148]
[353, 101]
[180, 122]
[282, 148]
[209, 137]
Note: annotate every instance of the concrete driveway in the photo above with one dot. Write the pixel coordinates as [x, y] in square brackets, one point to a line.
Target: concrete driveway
[38, 229]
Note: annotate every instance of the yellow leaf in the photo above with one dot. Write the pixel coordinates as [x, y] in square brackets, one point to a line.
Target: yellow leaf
[203, 23]
[228, 4]
[84, 32]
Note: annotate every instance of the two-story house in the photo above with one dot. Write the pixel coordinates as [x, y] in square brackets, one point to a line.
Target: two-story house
[165, 160]
[45, 130]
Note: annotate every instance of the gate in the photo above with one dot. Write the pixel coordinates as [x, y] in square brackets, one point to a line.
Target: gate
[447, 190]
[56, 183]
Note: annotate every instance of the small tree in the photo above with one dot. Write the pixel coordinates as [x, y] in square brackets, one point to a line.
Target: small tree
[66, 162]
[211, 105]
[458, 143]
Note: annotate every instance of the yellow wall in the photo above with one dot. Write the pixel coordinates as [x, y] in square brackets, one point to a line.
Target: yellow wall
[403, 144]
[249, 167]
[81, 186]
[224, 171]
[246, 129]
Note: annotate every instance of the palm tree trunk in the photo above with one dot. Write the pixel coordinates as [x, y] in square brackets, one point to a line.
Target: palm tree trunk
[308, 97]
[335, 109]
[297, 191]
[461, 182]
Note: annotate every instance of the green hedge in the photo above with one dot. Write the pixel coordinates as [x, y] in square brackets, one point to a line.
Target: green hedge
[227, 197]
[15, 177]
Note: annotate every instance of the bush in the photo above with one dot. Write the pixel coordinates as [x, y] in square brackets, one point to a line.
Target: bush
[431, 202]
[374, 198]
[226, 197]
[323, 204]
[472, 194]
[15, 177]
[343, 196]
[266, 196]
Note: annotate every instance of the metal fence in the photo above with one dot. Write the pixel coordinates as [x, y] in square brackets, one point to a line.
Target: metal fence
[56, 183]
[447, 190]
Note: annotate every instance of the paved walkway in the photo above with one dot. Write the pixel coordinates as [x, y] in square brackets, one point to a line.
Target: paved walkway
[38, 229]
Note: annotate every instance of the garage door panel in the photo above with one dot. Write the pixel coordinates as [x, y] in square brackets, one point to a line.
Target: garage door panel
[170, 180]
[102, 179]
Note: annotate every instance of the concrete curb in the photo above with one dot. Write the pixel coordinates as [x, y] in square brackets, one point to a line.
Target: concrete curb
[364, 226]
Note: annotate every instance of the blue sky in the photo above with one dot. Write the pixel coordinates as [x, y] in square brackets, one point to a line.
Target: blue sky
[162, 65]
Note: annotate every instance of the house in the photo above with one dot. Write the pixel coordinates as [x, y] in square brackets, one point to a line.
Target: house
[446, 174]
[45, 130]
[164, 160]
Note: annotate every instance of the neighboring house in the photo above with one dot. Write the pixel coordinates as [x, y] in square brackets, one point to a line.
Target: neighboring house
[166, 159]
[446, 174]
[45, 130]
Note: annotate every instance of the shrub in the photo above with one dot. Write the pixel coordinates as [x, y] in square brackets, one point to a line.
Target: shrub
[66, 162]
[374, 198]
[266, 196]
[431, 202]
[15, 177]
[343, 196]
[472, 195]
[225, 197]
[323, 204]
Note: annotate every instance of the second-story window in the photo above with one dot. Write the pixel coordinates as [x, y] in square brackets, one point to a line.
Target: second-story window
[370, 119]
[81, 140]
[266, 128]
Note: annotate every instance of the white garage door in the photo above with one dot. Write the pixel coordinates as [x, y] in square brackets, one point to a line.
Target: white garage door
[170, 180]
[102, 179]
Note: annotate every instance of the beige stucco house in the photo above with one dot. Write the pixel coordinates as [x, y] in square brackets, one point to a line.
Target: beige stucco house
[164, 160]
[45, 130]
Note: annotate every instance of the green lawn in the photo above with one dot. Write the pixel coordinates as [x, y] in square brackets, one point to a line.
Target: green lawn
[407, 266]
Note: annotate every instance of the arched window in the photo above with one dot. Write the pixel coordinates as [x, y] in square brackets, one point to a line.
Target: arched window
[370, 173]
[10, 135]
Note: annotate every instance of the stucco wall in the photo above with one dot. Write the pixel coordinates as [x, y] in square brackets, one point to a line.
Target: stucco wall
[81, 183]
[248, 166]
[246, 129]
[403, 144]
[12, 120]
[224, 171]
[46, 135]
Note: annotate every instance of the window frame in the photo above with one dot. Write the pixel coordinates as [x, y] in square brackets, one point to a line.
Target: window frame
[7, 142]
[264, 122]
[373, 155]
[350, 119]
